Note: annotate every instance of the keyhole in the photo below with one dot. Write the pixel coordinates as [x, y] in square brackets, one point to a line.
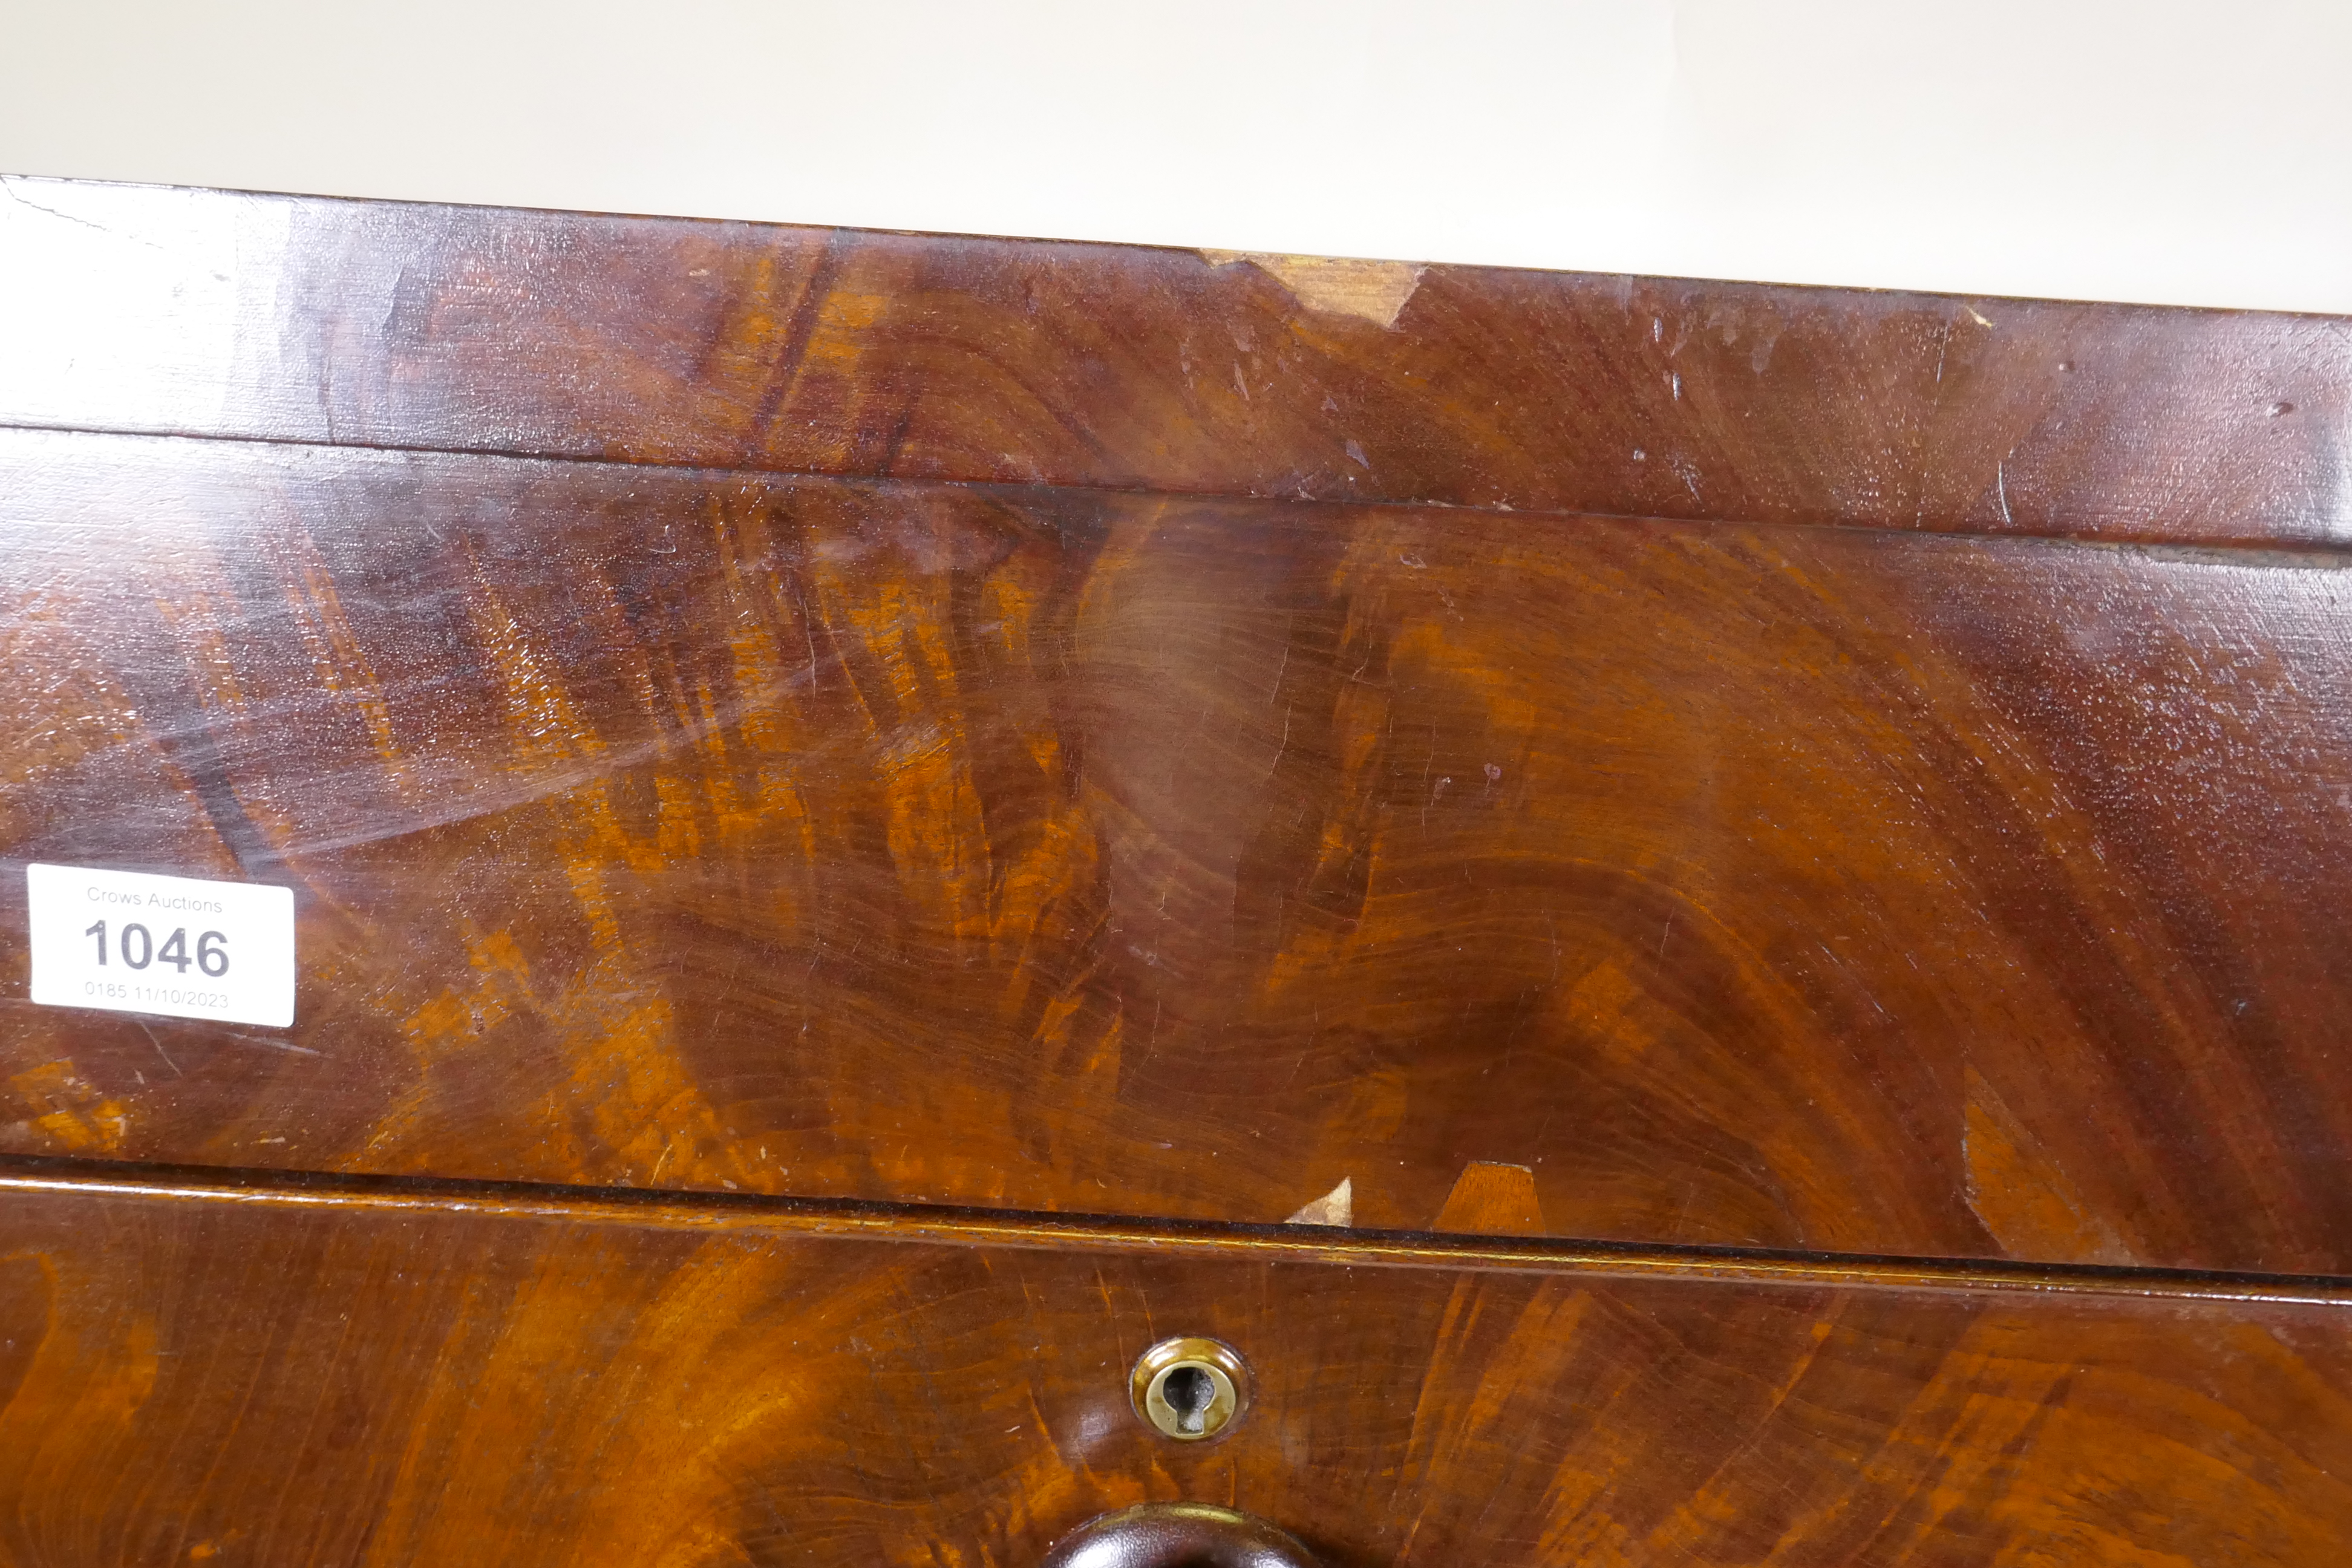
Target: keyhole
[1188, 1388]
[1190, 1391]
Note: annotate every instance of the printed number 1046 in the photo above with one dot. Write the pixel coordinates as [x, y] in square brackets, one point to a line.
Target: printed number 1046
[136, 947]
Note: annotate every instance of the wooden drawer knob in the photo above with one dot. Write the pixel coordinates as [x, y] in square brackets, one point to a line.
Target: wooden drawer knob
[1178, 1535]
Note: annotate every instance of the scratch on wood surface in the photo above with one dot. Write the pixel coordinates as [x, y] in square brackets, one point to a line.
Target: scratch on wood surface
[74, 1114]
[1337, 1206]
[2023, 1198]
[1491, 1198]
[1374, 292]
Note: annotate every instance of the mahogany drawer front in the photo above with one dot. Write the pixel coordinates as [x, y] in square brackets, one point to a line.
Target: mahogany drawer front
[834, 351]
[1078, 851]
[269, 1377]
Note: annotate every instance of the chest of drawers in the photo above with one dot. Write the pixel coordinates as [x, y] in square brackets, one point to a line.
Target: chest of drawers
[1702, 920]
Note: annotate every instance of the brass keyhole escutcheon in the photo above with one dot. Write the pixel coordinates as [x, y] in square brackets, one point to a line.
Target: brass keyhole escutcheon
[1190, 1389]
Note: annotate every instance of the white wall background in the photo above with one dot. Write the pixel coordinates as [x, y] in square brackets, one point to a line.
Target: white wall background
[2156, 150]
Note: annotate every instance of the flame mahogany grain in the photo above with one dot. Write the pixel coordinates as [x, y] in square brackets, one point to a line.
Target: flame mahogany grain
[187, 1378]
[731, 344]
[815, 727]
[1085, 851]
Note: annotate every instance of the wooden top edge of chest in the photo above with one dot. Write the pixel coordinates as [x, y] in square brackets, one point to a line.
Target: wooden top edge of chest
[867, 353]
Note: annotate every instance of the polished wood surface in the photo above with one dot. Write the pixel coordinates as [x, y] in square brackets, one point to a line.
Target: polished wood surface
[1083, 851]
[1779, 1043]
[187, 1374]
[831, 352]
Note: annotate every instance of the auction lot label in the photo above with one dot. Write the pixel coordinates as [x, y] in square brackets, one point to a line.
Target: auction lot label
[130, 943]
